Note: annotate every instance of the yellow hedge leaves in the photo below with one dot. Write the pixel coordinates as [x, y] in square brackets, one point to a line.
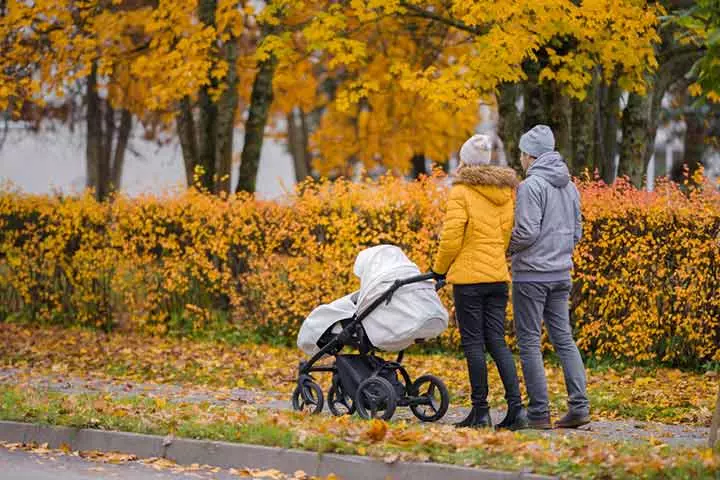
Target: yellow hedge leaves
[646, 279]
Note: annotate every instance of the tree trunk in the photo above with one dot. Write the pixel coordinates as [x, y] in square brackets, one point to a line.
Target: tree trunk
[106, 142]
[297, 146]
[583, 136]
[305, 134]
[560, 118]
[694, 147]
[207, 113]
[606, 125]
[93, 143]
[108, 135]
[123, 137]
[207, 135]
[715, 426]
[675, 63]
[635, 138]
[510, 123]
[260, 101]
[419, 167]
[227, 106]
[534, 111]
[185, 124]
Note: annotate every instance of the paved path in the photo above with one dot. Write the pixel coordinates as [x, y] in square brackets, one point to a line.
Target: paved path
[55, 465]
[610, 430]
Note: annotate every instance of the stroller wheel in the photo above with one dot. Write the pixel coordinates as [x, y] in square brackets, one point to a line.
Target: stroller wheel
[375, 398]
[308, 397]
[339, 402]
[432, 398]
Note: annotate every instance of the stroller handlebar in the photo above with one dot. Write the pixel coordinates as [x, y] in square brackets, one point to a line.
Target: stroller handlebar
[421, 278]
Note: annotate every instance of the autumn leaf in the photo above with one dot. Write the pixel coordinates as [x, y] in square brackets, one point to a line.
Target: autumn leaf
[377, 429]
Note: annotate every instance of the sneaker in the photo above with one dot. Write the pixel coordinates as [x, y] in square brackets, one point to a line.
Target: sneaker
[573, 420]
[515, 419]
[542, 423]
[477, 418]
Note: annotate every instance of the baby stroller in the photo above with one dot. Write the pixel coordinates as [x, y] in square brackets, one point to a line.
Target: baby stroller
[366, 383]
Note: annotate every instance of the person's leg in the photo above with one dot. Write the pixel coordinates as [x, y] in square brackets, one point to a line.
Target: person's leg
[528, 305]
[495, 306]
[469, 312]
[557, 319]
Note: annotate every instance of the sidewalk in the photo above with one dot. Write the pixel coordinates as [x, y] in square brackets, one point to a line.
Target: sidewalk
[265, 462]
[42, 463]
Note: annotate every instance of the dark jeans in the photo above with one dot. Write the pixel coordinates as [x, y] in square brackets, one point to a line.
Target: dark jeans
[480, 311]
[534, 302]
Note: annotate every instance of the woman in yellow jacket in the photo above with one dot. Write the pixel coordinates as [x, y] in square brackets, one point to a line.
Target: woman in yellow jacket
[474, 239]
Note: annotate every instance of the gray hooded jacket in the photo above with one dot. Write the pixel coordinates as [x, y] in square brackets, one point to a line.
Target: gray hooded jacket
[548, 222]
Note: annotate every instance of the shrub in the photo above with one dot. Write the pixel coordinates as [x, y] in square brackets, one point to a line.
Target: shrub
[646, 279]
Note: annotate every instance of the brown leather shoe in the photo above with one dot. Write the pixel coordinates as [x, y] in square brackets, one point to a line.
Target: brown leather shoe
[572, 420]
[540, 423]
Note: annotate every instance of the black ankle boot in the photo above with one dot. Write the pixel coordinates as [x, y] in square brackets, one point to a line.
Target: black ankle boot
[515, 419]
[477, 418]
[468, 420]
[482, 419]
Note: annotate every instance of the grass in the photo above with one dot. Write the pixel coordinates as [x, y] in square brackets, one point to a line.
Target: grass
[569, 457]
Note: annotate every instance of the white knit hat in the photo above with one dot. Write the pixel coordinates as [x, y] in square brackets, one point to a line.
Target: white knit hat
[477, 150]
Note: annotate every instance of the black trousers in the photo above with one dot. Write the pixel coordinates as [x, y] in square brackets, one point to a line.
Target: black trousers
[480, 312]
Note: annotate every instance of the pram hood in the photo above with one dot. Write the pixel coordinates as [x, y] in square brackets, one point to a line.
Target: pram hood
[415, 311]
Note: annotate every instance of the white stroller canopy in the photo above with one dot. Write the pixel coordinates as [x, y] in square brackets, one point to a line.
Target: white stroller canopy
[415, 311]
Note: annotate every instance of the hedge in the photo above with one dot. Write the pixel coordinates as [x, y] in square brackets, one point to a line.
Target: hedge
[645, 284]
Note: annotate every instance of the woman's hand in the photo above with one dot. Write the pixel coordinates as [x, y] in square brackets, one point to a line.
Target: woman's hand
[438, 277]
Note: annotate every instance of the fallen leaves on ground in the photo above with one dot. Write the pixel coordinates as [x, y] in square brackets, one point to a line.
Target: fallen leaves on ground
[659, 394]
[559, 454]
[377, 429]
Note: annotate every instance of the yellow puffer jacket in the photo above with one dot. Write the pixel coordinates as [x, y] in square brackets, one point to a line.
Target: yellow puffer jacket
[478, 223]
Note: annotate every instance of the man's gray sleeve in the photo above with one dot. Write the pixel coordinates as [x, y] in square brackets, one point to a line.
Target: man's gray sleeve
[528, 218]
[578, 218]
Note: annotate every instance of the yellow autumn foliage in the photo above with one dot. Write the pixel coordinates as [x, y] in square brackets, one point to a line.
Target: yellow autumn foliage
[646, 280]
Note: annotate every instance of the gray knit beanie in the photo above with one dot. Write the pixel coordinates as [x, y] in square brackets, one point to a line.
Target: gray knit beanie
[477, 150]
[537, 140]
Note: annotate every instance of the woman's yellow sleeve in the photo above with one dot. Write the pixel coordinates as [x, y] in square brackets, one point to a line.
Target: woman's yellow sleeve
[453, 232]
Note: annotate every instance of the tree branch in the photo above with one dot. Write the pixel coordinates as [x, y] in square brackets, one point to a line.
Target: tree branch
[419, 12]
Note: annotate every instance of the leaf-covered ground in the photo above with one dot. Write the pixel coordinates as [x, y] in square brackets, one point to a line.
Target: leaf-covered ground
[571, 457]
[219, 391]
[659, 394]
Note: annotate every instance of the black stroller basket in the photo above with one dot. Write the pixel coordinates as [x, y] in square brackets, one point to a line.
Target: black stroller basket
[366, 383]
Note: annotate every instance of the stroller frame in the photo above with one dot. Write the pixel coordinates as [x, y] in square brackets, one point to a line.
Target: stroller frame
[376, 397]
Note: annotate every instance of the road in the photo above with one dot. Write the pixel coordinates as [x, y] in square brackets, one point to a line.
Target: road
[54, 465]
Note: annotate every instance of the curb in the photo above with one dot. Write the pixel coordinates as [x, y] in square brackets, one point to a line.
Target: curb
[227, 455]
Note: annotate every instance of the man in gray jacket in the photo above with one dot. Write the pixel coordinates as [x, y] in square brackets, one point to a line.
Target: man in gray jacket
[548, 225]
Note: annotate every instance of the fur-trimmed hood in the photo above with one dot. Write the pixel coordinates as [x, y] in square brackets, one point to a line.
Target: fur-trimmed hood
[490, 175]
[495, 183]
